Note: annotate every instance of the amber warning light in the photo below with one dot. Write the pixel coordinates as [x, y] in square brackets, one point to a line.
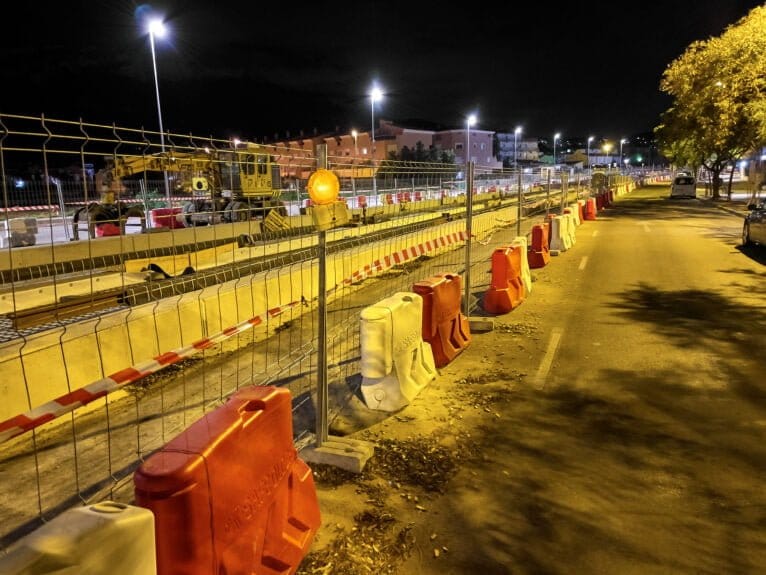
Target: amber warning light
[323, 186]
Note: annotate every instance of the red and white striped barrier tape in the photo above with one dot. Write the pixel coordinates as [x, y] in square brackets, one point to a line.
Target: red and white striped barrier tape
[137, 201]
[404, 255]
[30, 209]
[69, 402]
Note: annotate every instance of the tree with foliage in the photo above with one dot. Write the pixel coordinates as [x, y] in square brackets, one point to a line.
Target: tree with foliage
[718, 85]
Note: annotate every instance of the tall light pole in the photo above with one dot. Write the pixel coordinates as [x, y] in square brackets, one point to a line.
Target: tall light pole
[590, 139]
[516, 133]
[607, 148]
[157, 28]
[556, 136]
[469, 121]
[355, 135]
[375, 95]
[235, 142]
[622, 141]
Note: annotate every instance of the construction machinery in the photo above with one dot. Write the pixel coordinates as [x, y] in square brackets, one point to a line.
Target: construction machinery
[209, 186]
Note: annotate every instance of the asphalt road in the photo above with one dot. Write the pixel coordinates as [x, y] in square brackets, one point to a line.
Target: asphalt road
[614, 423]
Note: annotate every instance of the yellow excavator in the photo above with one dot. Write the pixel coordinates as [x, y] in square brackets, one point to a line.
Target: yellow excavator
[210, 186]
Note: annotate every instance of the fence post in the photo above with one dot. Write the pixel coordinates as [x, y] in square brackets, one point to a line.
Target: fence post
[564, 191]
[468, 229]
[548, 195]
[341, 452]
[519, 211]
[322, 393]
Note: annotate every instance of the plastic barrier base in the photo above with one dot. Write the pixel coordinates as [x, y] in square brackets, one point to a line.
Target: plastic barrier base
[230, 494]
[538, 259]
[396, 362]
[99, 539]
[506, 290]
[444, 327]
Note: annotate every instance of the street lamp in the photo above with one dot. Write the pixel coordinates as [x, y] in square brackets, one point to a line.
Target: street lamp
[375, 95]
[469, 121]
[556, 136]
[622, 141]
[590, 139]
[607, 149]
[157, 28]
[235, 142]
[516, 133]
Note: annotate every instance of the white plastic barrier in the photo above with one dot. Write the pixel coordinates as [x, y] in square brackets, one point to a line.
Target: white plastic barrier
[574, 209]
[395, 361]
[571, 229]
[526, 275]
[559, 234]
[101, 539]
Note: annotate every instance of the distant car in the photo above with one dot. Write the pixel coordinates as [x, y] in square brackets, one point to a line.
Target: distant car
[683, 187]
[754, 227]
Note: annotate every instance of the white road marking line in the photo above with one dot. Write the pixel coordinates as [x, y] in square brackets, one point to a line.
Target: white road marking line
[583, 263]
[595, 233]
[545, 365]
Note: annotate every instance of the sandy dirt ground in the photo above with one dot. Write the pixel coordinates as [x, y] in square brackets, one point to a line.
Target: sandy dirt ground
[420, 501]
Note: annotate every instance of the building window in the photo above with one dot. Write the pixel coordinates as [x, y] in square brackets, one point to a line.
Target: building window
[459, 146]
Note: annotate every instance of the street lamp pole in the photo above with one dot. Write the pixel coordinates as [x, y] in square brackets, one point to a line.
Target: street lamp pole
[556, 136]
[607, 149]
[157, 28]
[470, 121]
[516, 133]
[622, 141]
[375, 95]
[355, 134]
[590, 139]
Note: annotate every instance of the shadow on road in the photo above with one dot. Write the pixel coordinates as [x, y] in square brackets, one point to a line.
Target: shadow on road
[755, 253]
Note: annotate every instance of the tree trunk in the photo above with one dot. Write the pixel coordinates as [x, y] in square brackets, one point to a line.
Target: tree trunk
[716, 183]
[731, 177]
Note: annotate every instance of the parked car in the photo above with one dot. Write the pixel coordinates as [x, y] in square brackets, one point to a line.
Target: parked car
[683, 187]
[754, 227]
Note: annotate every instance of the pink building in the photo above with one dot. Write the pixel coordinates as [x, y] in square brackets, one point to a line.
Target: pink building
[355, 148]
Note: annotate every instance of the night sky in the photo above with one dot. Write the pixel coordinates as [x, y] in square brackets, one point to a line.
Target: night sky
[255, 69]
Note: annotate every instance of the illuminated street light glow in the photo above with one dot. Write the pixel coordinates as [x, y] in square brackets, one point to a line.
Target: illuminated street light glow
[469, 121]
[622, 141]
[157, 29]
[516, 134]
[376, 95]
[607, 148]
[556, 136]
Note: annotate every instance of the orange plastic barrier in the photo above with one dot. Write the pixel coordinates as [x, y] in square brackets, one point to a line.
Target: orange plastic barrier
[389, 199]
[539, 251]
[229, 494]
[165, 218]
[444, 327]
[590, 209]
[361, 201]
[506, 291]
[107, 229]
